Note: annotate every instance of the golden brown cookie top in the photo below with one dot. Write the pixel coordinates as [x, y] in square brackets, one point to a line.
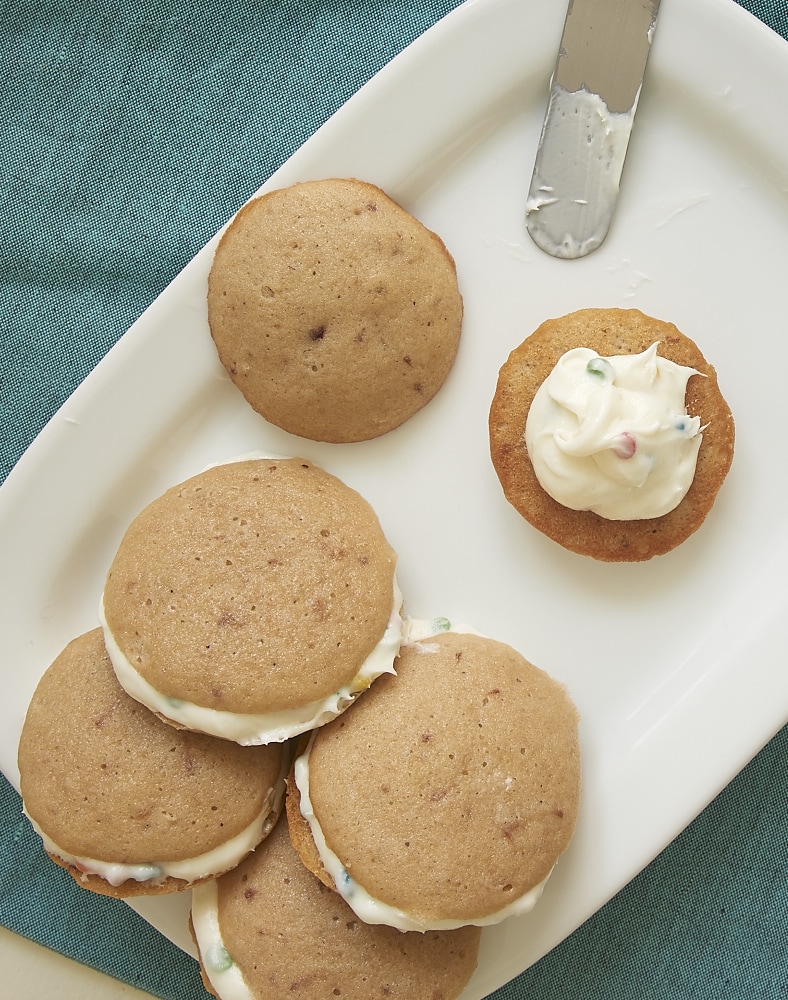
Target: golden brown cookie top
[254, 586]
[336, 313]
[452, 789]
[609, 332]
[105, 779]
[287, 933]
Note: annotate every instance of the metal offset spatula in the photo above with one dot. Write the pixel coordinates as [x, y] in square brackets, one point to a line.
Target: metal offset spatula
[593, 97]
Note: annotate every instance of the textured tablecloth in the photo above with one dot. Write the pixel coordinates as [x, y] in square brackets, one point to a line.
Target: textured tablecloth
[129, 133]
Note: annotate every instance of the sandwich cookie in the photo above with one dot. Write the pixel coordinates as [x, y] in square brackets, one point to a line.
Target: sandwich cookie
[126, 804]
[610, 435]
[446, 796]
[270, 930]
[335, 312]
[253, 602]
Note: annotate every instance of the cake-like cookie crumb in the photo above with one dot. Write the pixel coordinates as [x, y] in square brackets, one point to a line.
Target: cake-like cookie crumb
[335, 312]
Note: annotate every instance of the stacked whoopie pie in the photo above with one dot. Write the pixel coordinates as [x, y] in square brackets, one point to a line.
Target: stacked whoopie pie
[127, 804]
[243, 606]
[251, 626]
[436, 804]
[251, 650]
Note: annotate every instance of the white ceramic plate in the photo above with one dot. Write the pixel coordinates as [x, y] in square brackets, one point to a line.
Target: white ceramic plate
[677, 665]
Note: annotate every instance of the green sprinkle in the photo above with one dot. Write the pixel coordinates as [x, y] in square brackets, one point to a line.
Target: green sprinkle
[218, 958]
[441, 624]
[601, 368]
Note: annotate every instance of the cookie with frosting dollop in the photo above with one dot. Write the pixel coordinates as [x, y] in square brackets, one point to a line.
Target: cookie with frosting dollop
[609, 433]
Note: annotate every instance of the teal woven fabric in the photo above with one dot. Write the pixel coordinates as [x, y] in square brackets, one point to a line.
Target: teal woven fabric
[716, 902]
[129, 133]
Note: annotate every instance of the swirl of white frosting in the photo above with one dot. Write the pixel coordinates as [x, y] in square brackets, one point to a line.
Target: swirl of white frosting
[612, 435]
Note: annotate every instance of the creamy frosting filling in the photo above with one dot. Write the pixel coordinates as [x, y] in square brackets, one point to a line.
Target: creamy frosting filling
[612, 435]
[214, 862]
[364, 905]
[251, 729]
[224, 975]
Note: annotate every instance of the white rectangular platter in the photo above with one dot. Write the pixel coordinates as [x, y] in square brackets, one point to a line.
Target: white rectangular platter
[677, 665]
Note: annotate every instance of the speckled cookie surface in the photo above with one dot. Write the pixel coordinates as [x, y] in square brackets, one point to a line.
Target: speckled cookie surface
[290, 936]
[254, 586]
[336, 313]
[105, 779]
[454, 788]
[608, 332]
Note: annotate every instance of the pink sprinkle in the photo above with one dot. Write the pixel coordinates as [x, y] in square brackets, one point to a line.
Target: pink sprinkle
[625, 446]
